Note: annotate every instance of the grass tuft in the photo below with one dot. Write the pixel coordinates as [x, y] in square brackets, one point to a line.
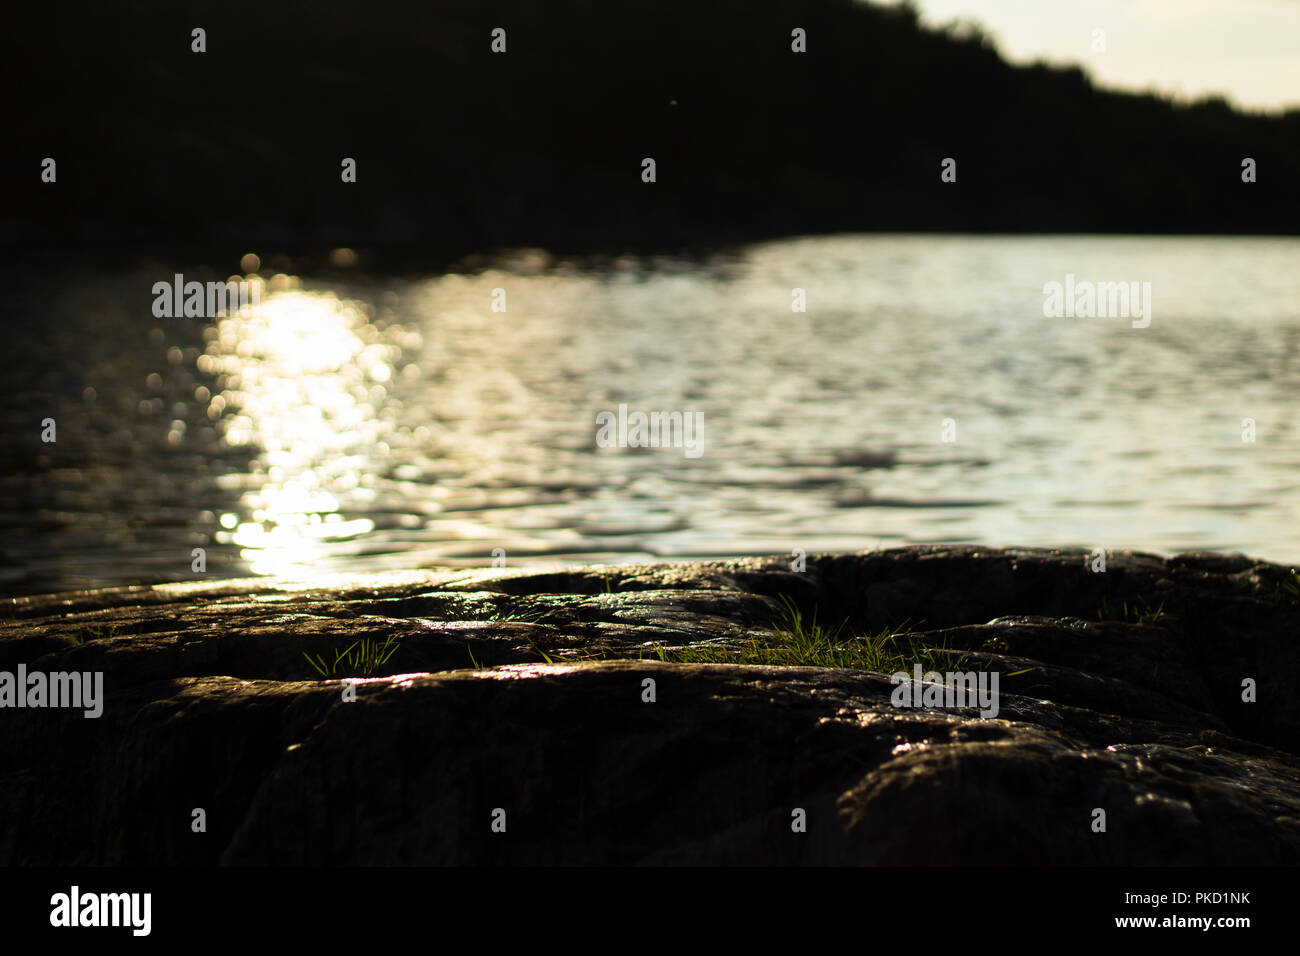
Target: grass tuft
[1139, 612]
[361, 658]
[798, 641]
[95, 634]
[506, 613]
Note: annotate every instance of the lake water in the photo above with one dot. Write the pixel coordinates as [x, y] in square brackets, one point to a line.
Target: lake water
[379, 423]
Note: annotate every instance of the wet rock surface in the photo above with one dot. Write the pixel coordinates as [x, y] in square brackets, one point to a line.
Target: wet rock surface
[525, 692]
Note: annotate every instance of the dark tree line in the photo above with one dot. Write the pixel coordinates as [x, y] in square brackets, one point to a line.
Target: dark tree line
[461, 149]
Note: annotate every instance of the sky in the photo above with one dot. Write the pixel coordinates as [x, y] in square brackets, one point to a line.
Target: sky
[1246, 50]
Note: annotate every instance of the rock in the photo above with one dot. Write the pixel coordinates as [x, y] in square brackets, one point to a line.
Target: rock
[523, 691]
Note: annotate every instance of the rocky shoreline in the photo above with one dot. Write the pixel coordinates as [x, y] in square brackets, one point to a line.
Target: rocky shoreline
[526, 717]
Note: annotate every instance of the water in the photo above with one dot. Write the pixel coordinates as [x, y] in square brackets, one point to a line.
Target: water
[378, 423]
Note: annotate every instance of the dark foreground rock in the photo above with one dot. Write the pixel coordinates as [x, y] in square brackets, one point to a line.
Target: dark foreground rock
[525, 692]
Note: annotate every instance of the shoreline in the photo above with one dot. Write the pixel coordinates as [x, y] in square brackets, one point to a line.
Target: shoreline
[591, 708]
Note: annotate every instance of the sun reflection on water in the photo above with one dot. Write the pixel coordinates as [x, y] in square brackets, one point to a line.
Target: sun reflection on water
[303, 378]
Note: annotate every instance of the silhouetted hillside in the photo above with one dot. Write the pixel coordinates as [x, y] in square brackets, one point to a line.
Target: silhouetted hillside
[460, 148]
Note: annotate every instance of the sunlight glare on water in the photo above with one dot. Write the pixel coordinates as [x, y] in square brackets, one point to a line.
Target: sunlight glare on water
[304, 381]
